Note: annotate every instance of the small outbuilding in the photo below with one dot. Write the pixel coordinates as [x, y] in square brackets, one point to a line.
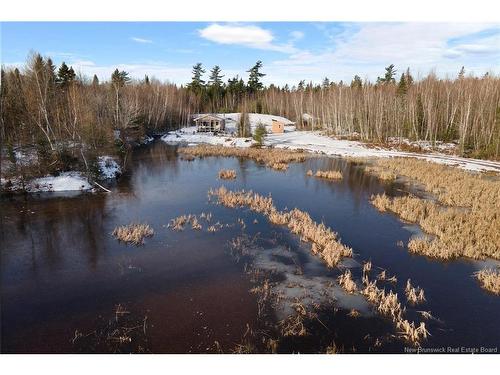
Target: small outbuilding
[278, 126]
[210, 123]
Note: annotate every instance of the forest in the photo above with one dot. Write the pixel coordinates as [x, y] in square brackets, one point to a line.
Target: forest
[69, 118]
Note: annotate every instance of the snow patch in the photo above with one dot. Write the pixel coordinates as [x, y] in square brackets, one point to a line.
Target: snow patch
[108, 167]
[66, 181]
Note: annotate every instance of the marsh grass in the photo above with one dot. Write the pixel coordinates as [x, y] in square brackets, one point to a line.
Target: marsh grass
[414, 295]
[133, 233]
[463, 221]
[489, 279]
[329, 175]
[227, 174]
[381, 173]
[388, 304]
[347, 283]
[277, 159]
[323, 240]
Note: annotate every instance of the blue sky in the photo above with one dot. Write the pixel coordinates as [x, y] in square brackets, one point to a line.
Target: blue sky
[290, 51]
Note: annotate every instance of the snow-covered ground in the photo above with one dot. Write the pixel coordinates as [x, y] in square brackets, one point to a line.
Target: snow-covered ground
[315, 142]
[66, 181]
[318, 143]
[189, 136]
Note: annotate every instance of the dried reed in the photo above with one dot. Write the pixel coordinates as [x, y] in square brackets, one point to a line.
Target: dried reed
[330, 175]
[414, 295]
[274, 158]
[133, 233]
[465, 214]
[323, 240]
[489, 280]
[347, 283]
[227, 174]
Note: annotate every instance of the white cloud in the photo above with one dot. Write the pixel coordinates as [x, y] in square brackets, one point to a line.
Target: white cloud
[366, 49]
[141, 40]
[296, 35]
[244, 35]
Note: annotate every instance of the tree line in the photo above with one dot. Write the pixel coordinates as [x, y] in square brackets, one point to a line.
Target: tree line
[69, 118]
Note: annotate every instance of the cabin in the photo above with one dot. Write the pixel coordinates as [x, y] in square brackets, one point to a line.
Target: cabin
[277, 127]
[210, 123]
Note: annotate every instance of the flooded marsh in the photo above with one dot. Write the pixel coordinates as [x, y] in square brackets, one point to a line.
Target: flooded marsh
[247, 274]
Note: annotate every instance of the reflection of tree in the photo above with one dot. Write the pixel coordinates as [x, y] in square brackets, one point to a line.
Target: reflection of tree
[54, 231]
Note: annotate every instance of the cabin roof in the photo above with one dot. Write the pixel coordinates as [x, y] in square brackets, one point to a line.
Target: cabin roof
[209, 116]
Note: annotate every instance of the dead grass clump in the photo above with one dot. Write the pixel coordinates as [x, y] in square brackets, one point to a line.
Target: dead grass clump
[179, 222]
[330, 175]
[272, 157]
[381, 173]
[215, 227]
[354, 313]
[278, 166]
[347, 283]
[323, 240]
[388, 305]
[414, 295]
[133, 233]
[227, 174]
[464, 215]
[411, 332]
[195, 224]
[489, 280]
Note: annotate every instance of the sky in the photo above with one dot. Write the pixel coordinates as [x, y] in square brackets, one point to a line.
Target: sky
[290, 51]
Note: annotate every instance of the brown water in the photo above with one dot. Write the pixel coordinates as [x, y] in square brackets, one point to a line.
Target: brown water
[62, 271]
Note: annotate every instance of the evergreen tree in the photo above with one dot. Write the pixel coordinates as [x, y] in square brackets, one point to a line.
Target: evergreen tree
[215, 79]
[402, 85]
[461, 73]
[408, 77]
[65, 75]
[357, 82]
[52, 70]
[301, 85]
[197, 83]
[326, 83]
[146, 80]
[119, 78]
[254, 83]
[390, 72]
[95, 80]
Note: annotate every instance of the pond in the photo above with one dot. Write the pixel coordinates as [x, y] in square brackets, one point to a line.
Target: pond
[65, 279]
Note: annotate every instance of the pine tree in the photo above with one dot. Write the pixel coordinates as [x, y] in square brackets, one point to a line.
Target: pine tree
[461, 73]
[95, 80]
[301, 85]
[254, 83]
[65, 75]
[326, 83]
[215, 79]
[402, 85]
[390, 72]
[357, 82]
[146, 79]
[119, 78]
[52, 70]
[197, 83]
[408, 77]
